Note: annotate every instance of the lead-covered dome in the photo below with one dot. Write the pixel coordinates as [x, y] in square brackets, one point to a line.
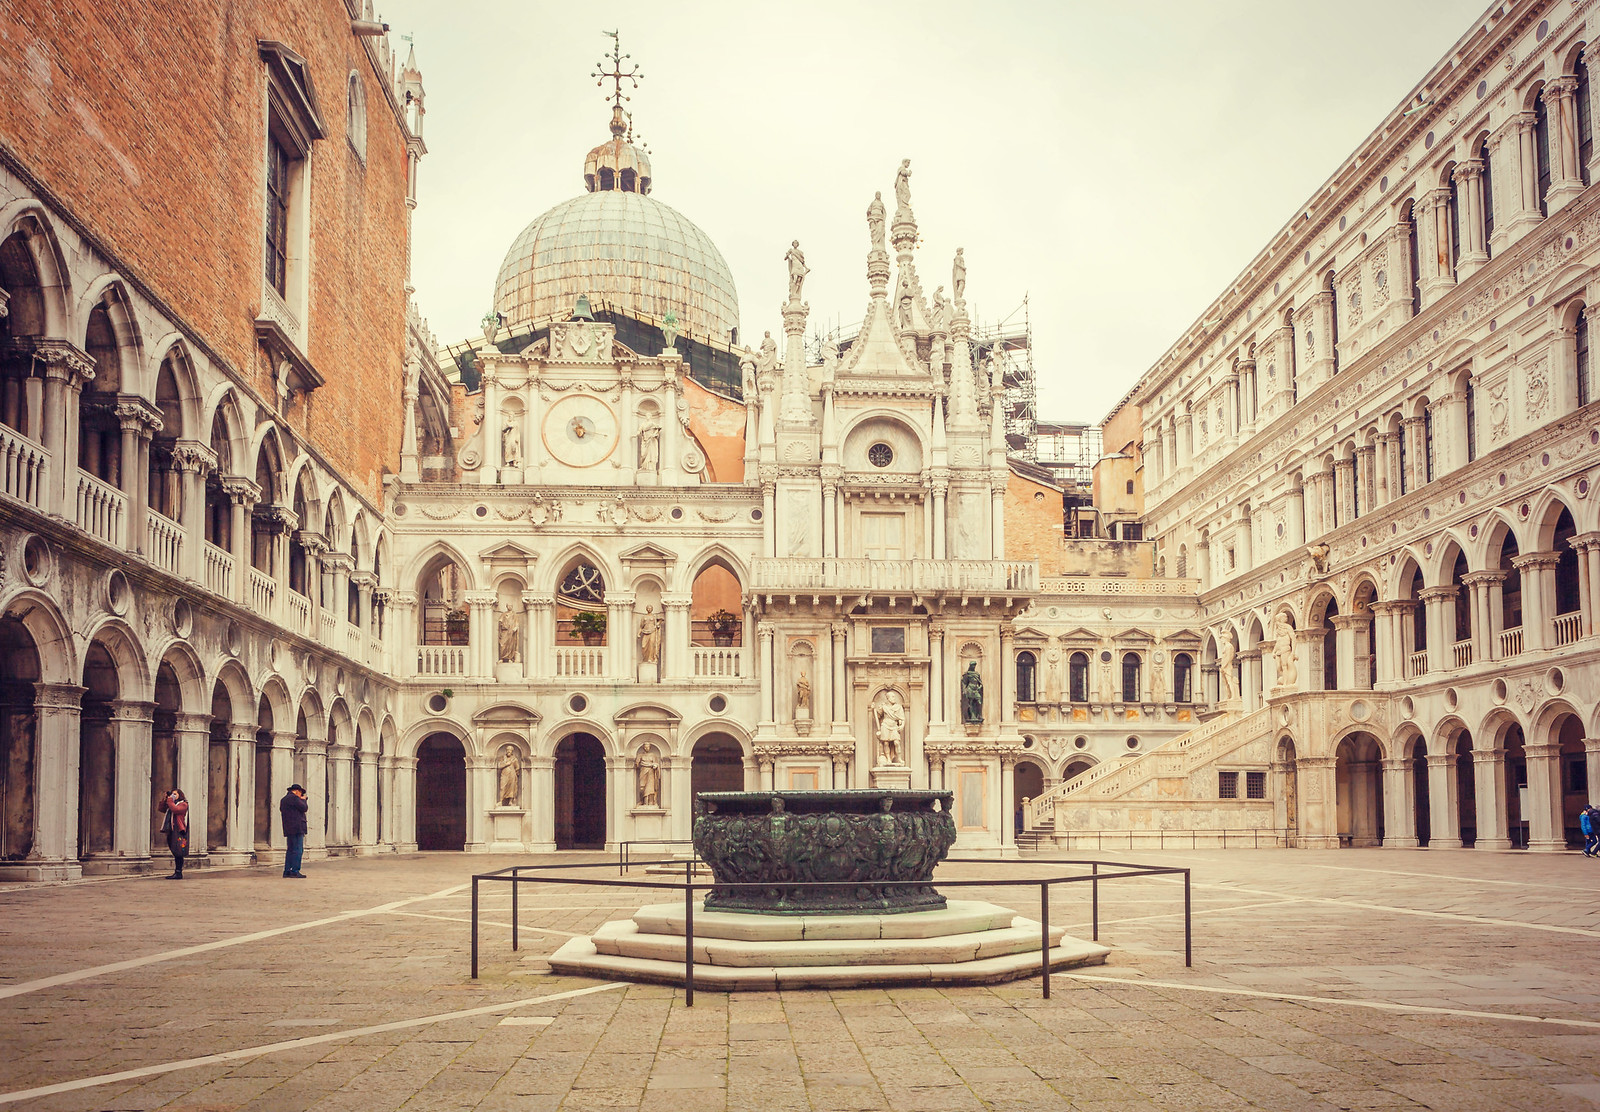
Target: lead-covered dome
[623, 248]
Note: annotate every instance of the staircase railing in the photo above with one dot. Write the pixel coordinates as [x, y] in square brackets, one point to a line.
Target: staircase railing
[1178, 757]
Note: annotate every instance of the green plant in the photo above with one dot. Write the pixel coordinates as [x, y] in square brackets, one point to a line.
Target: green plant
[589, 622]
[448, 693]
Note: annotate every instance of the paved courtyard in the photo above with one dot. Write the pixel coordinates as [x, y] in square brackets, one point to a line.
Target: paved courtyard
[1361, 979]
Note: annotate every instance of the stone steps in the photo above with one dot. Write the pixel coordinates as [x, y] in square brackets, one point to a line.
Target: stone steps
[969, 942]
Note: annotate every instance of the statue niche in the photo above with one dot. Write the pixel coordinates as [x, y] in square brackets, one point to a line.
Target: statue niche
[972, 695]
[889, 724]
[648, 773]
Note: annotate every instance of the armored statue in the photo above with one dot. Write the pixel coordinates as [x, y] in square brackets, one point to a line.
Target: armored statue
[971, 694]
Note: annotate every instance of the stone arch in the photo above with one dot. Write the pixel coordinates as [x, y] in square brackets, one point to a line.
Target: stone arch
[572, 554]
[687, 739]
[406, 743]
[233, 679]
[433, 555]
[367, 736]
[224, 429]
[1547, 510]
[880, 423]
[41, 296]
[132, 662]
[388, 737]
[1440, 568]
[189, 673]
[577, 724]
[172, 359]
[124, 371]
[52, 639]
[1358, 788]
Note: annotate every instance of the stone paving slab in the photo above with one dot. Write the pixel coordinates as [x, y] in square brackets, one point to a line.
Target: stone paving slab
[1297, 955]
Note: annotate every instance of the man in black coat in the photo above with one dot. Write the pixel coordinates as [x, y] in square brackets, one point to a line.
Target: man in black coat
[293, 808]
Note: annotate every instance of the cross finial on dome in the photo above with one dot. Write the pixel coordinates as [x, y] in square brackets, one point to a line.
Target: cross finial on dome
[617, 75]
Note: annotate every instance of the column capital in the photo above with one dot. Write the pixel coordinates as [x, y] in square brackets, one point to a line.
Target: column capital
[242, 731]
[1541, 752]
[132, 710]
[1440, 593]
[239, 489]
[1562, 86]
[1484, 578]
[189, 456]
[1535, 560]
[186, 723]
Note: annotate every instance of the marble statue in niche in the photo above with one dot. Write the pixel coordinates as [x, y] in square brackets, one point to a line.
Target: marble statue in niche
[510, 776]
[511, 444]
[650, 447]
[1226, 687]
[649, 775]
[1283, 651]
[889, 720]
[650, 636]
[510, 639]
[971, 695]
[802, 696]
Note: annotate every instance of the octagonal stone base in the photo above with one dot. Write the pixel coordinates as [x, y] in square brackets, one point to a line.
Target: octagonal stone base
[967, 942]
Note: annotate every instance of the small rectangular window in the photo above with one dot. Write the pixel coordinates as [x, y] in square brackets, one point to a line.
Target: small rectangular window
[1132, 531]
[277, 215]
[1255, 785]
[1577, 776]
[1227, 785]
[888, 639]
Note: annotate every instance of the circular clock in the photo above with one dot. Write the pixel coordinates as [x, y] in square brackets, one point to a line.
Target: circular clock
[580, 431]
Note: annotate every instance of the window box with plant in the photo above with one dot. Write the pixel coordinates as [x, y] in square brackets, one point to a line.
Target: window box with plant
[724, 628]
[590, 625]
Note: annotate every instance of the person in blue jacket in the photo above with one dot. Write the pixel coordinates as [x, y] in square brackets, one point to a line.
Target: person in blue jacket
[1589, 823]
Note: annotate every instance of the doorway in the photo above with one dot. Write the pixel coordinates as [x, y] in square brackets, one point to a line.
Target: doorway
[580, 793]
[716, 765]
[441, 794]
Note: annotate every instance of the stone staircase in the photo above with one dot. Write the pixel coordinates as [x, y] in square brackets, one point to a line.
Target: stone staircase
[1179, 758]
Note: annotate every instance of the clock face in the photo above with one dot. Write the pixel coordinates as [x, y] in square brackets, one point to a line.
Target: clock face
[580, 431]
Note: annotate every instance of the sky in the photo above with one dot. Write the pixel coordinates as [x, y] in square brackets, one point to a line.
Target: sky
[1116, 164]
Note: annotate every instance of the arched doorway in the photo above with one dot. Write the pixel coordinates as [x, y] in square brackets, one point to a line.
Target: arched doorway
[580, 793]
[1289, 771]
[1466, 789]
[716, 765]
[1419, 787]
[97, 759]
[19, 671]
[1028, 784]
[164, 750]
[265, 801]
[217, 768]
[1358, 779]
[1516, 759]
[441, 794]
[1076, 768]
[1568, 733]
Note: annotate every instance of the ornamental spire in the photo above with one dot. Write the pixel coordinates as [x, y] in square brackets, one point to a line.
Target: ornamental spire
[617, 75]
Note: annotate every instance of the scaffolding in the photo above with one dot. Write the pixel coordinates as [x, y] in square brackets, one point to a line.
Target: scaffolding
[1012, 340]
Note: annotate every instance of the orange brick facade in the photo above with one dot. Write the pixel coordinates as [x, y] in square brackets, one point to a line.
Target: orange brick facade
[165, 169]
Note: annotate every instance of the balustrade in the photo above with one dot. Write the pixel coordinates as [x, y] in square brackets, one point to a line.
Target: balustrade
[263, 593]
[1461, 653]
[1416, 664]
[1511, 642]
[441, 660]
[219, 571]
[586, 661]
[329, 634]
[299, 613]
[352, 641]
[1568, 628]
[717, 662]
[862, 574]
[101, 509]
[163, 541]
[24, 466]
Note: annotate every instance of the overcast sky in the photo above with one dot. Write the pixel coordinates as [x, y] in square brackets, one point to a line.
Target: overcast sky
[1117, 163]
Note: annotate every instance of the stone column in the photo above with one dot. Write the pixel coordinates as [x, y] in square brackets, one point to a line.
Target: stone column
[766, 774]
[1566, 180]
[1591, 760]
[838, 633]
[769, 716]
[1297, 517]
[193, 461]
[1546, 827]
[1344, 490]
[282, 765]
[241, 803]
[1538, 598]
[1319, 826]
[55, 812]
[1008, 683]
[1363, 812]
[1386, 487]
[769, 519]
[242, 495]
[936, 680]
[1251, 690]
[316, 785]
[830, 519]
[1587, 546]
[405, 805]
[1008, 802]
[1399, 804]
[1527, 211]
[193, 732]
[1441, 626]
[539, 651]
[340, 825]
[1185, 422]
[1248, 395]
[1444, 822]
[1316, 320]
[368, 835]
[621, 638]
[131, 733]
[1469, 198]
[1344, 643]
[941, 492]
[678, 637]
[1489, 785]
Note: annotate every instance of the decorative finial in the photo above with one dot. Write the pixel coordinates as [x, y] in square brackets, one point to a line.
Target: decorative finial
[617, 75]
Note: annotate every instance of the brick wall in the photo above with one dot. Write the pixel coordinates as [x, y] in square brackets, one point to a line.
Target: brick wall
[1033, 523]
[148, 122]
[718, 427]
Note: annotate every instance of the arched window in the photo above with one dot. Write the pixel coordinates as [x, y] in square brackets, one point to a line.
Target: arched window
[1427, 444]
[1413, 258]
[581, 605]
[1330, 649]
[1027, 669]
[1294, 358]
[1078, 678]
[1333, 319]
[1454, 217]
[1568, 596]
[1405, 455]
[1182, 678]
[1580, 357]
[1130, 677]
[1585, 122]
[1541, 150]
[1488, 198]
[1472, 420]
[357, 129]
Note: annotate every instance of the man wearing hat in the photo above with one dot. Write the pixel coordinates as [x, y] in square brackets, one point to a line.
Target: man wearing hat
[293, 808]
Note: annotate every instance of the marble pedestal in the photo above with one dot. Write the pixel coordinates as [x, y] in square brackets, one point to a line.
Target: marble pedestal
[505, 829]
[967, 942]
[894, 777]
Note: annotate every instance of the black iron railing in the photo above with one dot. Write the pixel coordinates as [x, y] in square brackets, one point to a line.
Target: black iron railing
[517, 875]
[1176, 839]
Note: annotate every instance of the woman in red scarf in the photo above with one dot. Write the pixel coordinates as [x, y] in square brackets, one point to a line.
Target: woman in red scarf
[176, 827]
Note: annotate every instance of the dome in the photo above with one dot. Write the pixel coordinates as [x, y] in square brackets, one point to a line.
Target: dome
[623, 248]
